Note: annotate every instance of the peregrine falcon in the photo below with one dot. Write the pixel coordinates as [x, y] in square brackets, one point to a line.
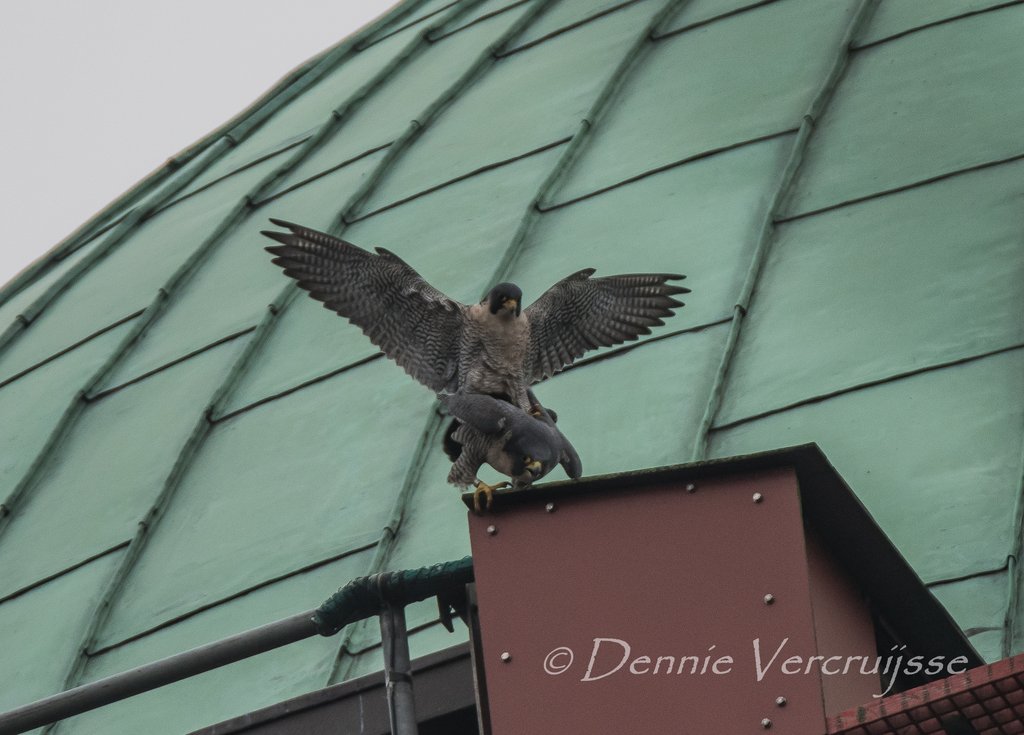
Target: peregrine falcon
[495, 347]
[523, 446]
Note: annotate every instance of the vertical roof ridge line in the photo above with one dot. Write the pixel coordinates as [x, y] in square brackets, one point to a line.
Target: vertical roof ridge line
[579, 139]
[766, 233]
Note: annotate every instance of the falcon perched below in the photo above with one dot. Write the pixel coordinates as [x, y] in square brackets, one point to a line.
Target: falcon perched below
[494, 347]
[517, 444]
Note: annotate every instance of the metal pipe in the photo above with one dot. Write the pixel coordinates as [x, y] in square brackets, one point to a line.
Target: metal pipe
[359, 599]
[165, 671]
[398, 671]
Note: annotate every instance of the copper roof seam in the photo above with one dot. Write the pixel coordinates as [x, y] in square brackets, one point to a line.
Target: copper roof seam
[60, 353]
[460, 177]
[60, 573]
[629, 347]
[327, 171]
[667, 167]
[973, 575]
[940, 22]
[767, 230]
[713, 19]
[566, 28]
[99, 395]
[217, 418]
[901, 188]
[565, 162]
[818, 398]
[346, 552]
[233, 172]
[389, 536]
[487, 16]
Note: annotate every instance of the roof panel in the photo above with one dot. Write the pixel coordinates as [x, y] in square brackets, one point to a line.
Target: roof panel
[893, 284]
[108, 471]
[42, 629]
[32, 405]
[942, 448]
[127, 279]
[701, 219]
[978, 605]
[236, 283]
[231, 690]
[897, 16]
[747, 76]
[277, 488]
[888, 127]
[390, 108]
[454, 236]
[523, 102]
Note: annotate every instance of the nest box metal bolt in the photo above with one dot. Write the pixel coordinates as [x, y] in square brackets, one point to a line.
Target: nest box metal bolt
[506, 657]
[766, 724]
[491, 530]
[780, 701]
[769, 599]
[691, 488]
[550, 507]
[758, 497]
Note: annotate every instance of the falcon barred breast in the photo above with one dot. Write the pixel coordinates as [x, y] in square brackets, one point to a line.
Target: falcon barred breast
[493, 347]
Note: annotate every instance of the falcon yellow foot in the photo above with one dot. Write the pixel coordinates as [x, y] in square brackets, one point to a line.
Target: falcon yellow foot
[482, 488]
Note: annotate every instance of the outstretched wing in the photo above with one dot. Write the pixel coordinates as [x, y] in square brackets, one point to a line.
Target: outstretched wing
[412, 322]
[581, 313]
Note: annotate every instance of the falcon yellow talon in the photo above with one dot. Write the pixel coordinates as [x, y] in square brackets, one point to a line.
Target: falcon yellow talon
[482, 488]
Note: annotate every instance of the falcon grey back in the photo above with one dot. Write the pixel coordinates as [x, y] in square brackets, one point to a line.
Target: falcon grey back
[525, 447]
[494, 347]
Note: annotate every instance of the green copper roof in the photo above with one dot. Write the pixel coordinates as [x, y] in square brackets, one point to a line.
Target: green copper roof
[189, 450]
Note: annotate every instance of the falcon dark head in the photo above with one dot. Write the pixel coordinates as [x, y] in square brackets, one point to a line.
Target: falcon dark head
[506, 296]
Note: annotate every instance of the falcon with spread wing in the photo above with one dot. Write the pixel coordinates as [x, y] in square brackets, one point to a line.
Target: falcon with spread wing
[494, 347]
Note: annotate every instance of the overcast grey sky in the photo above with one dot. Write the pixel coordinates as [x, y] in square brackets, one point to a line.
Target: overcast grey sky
[97, 94]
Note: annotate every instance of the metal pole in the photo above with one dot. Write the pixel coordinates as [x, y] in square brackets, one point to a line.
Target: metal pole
[165, 671]
[397, 671]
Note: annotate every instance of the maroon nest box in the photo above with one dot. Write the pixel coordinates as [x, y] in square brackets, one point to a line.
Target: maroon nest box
[730, 596]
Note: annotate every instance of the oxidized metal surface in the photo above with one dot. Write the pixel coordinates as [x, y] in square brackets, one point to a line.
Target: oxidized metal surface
[596, 601]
